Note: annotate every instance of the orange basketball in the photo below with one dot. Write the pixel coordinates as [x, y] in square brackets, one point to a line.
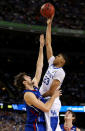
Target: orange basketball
[47, 10]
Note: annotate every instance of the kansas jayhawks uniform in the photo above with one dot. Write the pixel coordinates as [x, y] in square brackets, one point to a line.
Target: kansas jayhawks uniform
[35, 117]
[52, 73]
[72, 129]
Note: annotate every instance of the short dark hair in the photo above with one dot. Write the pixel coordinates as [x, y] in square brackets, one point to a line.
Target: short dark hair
[73, 115]
[18, 81]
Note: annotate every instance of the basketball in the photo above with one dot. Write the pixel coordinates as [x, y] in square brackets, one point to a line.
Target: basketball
[47, 10]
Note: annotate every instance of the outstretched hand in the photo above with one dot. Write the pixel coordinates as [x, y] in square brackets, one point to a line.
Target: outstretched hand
[42, 40]
[58, 93]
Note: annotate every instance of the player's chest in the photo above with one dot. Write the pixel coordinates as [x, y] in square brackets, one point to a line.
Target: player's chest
[51, 72]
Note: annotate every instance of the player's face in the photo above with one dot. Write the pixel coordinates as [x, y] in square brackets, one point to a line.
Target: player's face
[28, 79]
[59, 59]
[68, 115]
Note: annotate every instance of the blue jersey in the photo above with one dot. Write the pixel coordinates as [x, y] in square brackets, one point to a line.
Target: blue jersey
[35, 117]
[63, 129]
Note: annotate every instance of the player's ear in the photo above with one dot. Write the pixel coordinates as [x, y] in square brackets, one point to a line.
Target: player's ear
[24, 82]
[62, 61]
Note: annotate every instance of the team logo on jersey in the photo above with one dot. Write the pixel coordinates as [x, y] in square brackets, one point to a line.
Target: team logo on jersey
[49, 74]
[53, 113]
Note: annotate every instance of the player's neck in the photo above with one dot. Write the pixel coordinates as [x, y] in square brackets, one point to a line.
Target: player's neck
[57, 65]
[68, 124]
[30, 87]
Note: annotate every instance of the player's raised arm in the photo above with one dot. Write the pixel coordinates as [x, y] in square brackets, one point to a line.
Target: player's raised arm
[48, 39]
[39, 64]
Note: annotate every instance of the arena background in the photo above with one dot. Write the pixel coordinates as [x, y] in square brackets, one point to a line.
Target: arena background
[20, 27]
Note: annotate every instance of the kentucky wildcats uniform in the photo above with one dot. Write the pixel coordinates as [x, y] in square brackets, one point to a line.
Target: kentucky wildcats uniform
[52, 73]
[72, 129]
[35, 117]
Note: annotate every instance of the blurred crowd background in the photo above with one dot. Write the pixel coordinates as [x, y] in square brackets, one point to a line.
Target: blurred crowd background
[19, 51]
[68, 14]
[12, 121]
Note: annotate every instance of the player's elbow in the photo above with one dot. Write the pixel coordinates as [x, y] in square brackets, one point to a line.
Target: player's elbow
[46, 108]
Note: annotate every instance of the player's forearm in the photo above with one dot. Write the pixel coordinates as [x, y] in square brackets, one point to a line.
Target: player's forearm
[48, 93]
[40, 57]
[49, 103]
[48, 42]
[39, 65]
[48, 34]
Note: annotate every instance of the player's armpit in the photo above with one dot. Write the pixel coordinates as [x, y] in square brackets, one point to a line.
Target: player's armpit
[28, 96]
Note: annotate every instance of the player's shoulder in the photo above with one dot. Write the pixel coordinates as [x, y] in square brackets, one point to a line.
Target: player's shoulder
[28, 94]
[51, 59]
[61, 71]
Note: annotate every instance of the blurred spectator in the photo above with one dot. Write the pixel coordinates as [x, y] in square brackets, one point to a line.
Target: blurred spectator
[73, 89]
[12, 121]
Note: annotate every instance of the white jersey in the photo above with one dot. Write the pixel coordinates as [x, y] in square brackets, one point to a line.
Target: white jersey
[52, 73]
